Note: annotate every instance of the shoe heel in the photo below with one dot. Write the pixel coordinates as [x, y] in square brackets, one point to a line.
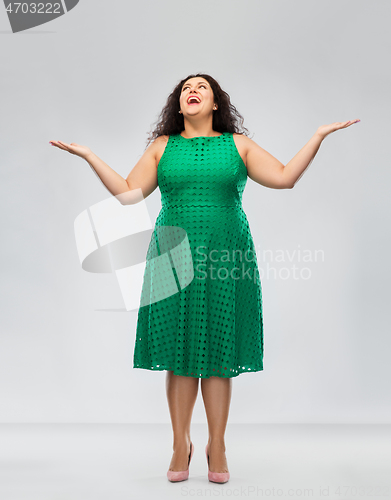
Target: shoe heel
[181, 475]
[216, 477]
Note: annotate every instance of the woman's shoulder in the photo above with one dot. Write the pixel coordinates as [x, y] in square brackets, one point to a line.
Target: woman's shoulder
[159, 145]
[242, 145]
[240, 137]
[244, 141]
[161, 139]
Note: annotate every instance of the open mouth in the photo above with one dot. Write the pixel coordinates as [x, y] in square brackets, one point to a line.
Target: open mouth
[193, 100]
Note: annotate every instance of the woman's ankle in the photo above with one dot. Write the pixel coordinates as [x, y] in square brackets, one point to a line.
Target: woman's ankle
[182, 443]
[217, 443]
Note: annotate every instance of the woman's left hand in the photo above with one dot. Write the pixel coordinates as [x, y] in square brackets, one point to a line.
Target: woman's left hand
[325, 130]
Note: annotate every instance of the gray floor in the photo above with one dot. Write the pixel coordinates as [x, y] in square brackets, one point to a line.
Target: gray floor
[123, 461]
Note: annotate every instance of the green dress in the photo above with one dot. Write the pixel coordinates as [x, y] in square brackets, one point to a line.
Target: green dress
[200, 311]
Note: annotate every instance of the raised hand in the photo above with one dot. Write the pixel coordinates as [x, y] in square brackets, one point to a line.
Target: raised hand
[325, 130]
[73, 148]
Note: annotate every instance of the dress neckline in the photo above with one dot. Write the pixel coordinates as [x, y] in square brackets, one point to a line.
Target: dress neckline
[201, 137]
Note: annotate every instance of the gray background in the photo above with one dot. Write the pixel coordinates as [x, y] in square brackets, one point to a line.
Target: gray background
[99, 76]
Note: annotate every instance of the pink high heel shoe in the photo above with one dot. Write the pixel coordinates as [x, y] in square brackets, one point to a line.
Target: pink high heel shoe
[216, 477]
[181, 475]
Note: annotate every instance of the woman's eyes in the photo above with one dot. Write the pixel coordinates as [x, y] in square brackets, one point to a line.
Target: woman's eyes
[184, 88]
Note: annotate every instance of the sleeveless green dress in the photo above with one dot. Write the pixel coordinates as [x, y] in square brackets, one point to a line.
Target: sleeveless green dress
[200, 311]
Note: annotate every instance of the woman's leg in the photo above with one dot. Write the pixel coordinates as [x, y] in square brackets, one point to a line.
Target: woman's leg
[181, 396]
[216, 393]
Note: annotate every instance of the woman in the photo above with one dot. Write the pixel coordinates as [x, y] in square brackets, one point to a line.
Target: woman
[209, 327]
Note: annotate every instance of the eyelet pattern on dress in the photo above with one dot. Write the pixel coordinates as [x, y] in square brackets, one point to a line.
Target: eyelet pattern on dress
[211, 325]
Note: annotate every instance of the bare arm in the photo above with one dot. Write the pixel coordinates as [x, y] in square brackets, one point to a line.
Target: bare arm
[141, 181]
[264, 169]
[296, 167]
[114, 182]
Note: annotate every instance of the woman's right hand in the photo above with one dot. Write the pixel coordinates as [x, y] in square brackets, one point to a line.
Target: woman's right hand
[73, 148]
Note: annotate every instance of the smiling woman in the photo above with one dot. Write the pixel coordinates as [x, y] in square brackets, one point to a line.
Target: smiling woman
[210, 329]
[201, 318]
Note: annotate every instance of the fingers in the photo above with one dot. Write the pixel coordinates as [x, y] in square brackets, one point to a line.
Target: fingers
[59, 144]
[350, 122]
[55, 143]
[346, 124]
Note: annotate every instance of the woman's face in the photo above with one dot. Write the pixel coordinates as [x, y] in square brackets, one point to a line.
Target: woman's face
[200, 89]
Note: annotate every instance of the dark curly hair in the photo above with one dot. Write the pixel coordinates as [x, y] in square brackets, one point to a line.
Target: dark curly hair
[225, 119]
